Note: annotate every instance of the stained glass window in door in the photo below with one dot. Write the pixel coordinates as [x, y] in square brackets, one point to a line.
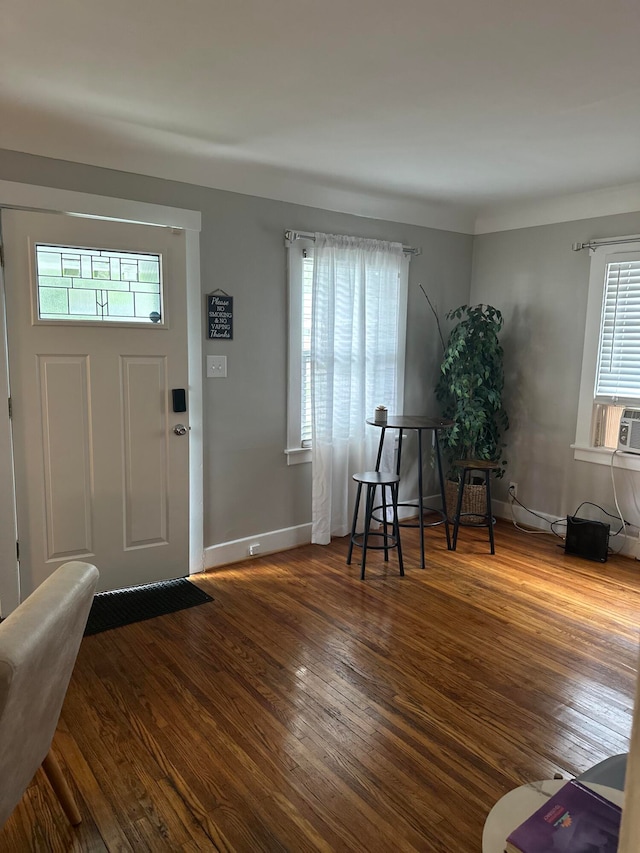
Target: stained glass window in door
[98, 285]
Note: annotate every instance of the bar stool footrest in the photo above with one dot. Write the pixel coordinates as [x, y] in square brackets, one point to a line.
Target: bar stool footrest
[388, 541]
[483, 523]
[432, 510]
[425, 510]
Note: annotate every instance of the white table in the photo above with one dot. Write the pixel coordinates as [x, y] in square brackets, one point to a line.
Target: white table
[516, 806]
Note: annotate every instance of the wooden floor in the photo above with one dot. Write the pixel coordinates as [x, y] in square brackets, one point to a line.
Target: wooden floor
[307, 710]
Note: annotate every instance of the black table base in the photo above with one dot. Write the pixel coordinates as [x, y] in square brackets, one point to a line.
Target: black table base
[419, 424]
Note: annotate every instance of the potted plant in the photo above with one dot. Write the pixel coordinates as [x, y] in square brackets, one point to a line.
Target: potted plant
[469, 390]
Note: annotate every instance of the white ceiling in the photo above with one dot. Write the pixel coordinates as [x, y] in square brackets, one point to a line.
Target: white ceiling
[426, 111]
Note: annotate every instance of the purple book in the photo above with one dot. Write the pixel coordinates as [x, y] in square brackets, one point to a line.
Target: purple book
[574, 820]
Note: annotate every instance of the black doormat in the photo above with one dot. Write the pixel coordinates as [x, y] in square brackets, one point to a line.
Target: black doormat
[124, 606]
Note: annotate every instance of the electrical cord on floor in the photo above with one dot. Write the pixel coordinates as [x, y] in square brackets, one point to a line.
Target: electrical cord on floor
[552, 524]
[615, 498]
[604, 511]
[623, 522]
[513, 499]
[553, 529]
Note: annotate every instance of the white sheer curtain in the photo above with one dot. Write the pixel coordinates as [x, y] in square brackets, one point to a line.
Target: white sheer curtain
[359, 316]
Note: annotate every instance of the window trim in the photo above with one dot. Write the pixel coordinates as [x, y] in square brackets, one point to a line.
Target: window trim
[584, 450]
[296, 454]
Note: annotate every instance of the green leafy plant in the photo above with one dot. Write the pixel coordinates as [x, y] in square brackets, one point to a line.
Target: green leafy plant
[470, 385]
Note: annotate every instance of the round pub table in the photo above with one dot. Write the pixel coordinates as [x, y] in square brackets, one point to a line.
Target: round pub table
[419, 424]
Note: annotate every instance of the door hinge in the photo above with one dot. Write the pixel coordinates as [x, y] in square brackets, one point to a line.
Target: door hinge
[2, 255]
[18, 551]
[10, 405]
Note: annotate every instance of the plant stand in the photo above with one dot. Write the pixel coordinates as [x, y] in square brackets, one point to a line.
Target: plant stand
[486, 467]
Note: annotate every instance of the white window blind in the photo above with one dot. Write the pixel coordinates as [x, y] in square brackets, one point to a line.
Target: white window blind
[305, 403]
[618, 371]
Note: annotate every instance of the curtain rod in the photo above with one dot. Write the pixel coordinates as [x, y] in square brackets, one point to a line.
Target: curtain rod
[292, 236]
[593, 244]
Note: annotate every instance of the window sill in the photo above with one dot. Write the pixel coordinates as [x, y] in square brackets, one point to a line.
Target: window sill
[602, 456]
[297, 455]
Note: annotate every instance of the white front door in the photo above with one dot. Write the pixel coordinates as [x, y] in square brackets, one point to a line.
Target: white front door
[97, 339]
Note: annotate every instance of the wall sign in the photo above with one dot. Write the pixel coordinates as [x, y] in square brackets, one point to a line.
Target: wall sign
[219, 315]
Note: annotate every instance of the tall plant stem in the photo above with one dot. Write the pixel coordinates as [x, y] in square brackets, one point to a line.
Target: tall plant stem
[435, 314]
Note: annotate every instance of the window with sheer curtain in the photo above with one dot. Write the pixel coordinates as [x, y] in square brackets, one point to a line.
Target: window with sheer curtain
[349, 313]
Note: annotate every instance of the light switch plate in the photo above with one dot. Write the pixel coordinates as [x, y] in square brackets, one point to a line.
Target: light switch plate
[216, 366]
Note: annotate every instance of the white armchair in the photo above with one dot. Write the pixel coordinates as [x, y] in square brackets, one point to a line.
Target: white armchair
[39, 644]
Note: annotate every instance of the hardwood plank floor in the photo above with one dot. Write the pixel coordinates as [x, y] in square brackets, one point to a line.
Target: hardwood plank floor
[304, 709]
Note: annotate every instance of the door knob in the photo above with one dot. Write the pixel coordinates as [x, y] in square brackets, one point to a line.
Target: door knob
[180, 429]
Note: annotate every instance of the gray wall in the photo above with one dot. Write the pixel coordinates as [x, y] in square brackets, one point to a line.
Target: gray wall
[248, 487]
[541, 286]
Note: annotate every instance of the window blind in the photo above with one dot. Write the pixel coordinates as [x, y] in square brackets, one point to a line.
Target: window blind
[618, 373]
[307, 304]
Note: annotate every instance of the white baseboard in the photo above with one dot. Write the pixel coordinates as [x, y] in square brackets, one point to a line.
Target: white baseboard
[268, 543]
[501, 509]
[280, 540]
[291, 537]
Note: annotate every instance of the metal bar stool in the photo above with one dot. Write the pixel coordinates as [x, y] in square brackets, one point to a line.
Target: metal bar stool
[486, 467]
[373, 479]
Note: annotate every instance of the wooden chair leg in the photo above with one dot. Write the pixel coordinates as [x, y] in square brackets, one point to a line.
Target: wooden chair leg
[61, 788]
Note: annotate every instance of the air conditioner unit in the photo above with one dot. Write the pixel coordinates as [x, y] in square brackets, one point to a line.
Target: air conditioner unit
[629, 435]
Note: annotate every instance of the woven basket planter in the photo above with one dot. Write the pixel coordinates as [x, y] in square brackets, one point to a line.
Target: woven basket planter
[474, 501]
